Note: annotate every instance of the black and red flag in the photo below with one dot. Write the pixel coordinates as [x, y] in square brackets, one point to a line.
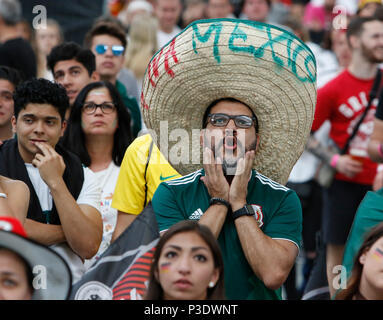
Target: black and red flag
[122, 272]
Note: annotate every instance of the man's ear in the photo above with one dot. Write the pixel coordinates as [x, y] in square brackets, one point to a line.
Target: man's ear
[354, 42]
[95, 76]
[63, 127]
[13, 121]
[257, 136]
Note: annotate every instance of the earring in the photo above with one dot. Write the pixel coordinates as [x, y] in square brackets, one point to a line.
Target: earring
[211, 284]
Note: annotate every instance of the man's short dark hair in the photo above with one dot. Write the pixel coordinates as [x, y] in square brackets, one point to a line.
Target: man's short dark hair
[11, 75]
[41, 91]
[72, 51]
[355, 27]
[108, 26]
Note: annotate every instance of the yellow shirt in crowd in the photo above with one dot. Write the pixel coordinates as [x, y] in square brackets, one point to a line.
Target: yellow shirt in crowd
[129, 194]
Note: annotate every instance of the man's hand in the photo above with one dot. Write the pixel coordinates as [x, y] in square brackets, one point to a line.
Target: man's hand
[238, 188]
[214, 180]
[50, 164]
[348, 166]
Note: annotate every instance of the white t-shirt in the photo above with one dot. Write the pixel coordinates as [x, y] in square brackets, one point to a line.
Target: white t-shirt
[163, 37]
[89, 194]
[107, 180]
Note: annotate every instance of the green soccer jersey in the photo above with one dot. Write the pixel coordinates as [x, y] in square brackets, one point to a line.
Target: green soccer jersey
[277, 208]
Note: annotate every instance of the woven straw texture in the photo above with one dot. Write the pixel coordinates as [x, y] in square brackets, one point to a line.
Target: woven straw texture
[263, 66]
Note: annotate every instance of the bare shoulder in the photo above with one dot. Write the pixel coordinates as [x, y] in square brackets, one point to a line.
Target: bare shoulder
[14, 186]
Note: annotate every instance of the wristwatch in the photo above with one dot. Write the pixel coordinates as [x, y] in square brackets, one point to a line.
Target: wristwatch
[219, 201]
[247, 210]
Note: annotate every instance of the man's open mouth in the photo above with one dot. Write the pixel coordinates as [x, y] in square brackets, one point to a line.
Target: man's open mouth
[230, 143]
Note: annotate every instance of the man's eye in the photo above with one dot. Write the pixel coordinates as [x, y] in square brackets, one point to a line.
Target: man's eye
[243, 121]
[28, 120]
[58, 76]
[7, 97]
[219, 120]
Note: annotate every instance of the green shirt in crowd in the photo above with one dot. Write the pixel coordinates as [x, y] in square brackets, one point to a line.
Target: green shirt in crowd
[132, 105]
[277, 208]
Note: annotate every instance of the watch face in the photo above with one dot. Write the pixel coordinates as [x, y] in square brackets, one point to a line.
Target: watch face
[250, 210]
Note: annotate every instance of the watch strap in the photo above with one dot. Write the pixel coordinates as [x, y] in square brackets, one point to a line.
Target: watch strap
[244, 211]
[216, 200]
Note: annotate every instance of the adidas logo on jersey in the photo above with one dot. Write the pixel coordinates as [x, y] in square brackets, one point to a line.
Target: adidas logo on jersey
[196, 215]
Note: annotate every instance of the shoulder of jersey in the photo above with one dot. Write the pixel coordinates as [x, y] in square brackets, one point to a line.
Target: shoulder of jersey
[189, 178]
[270, 183]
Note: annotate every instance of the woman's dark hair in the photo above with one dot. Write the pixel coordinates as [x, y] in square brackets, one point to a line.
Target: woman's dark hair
[356, 274]
[155, 291]
[74, 138]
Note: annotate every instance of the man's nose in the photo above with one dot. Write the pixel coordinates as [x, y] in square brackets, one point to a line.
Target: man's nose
[66, 80]
[109, 52]
[231, 125]
[39, 127]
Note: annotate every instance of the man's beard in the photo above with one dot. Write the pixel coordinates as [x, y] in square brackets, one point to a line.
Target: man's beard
[369, 55]
[229, 162]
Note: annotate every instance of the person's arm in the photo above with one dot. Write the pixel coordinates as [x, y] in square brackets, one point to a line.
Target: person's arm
[124, 220]
[129, 193]
[270, 259]
[375, 150]
[217, 186]
[46, 234]
[81, 224]
[17, 201]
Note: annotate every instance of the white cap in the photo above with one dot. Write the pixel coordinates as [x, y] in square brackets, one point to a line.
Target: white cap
[140, 5]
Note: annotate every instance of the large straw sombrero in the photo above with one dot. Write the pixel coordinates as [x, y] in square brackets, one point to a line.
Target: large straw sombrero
[261, 65]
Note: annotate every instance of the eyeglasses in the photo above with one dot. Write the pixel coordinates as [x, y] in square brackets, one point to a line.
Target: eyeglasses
[241, 121]
[117, 50]
[106, 107]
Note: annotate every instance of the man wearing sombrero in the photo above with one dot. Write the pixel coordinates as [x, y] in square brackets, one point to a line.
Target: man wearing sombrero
[240, 94]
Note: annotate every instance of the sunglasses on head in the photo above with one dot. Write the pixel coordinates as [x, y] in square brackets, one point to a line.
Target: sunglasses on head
[117, 50]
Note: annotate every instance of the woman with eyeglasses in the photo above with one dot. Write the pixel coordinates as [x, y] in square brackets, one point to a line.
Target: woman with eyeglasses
[99, 132]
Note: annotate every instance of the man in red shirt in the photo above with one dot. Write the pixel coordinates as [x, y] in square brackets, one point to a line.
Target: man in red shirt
[342, 101]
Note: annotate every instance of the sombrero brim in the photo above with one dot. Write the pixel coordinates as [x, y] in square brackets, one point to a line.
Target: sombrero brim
[56, 278]
[264, 66]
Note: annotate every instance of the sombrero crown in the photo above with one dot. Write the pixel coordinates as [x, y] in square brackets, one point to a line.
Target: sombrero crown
[261, 65]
